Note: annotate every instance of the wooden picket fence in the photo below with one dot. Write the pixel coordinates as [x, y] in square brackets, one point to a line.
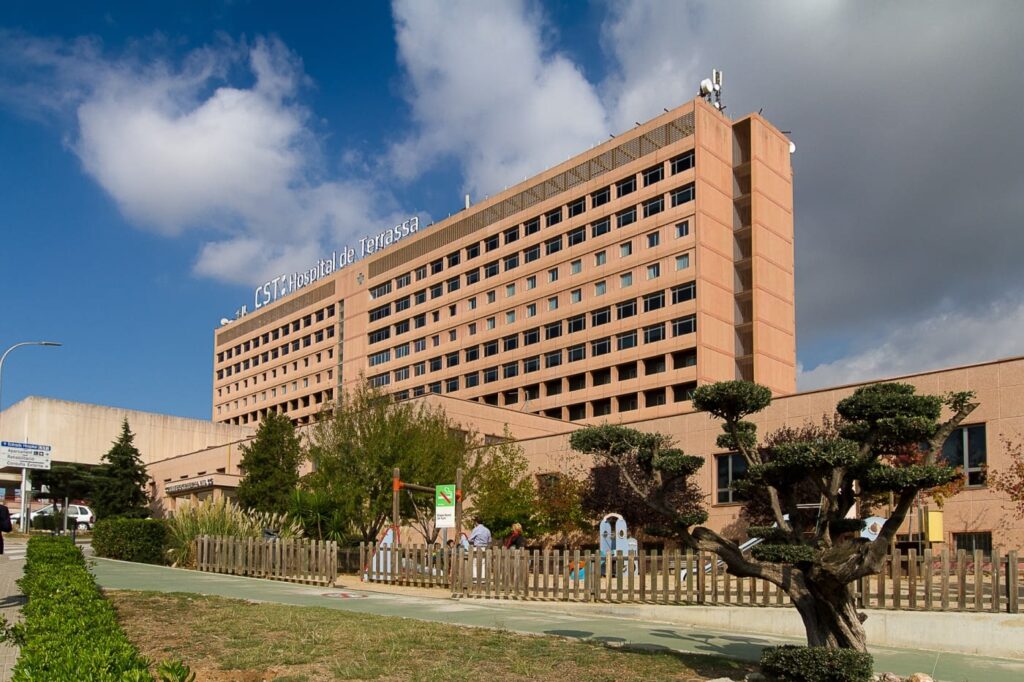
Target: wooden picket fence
[931, 581]
[300, 561]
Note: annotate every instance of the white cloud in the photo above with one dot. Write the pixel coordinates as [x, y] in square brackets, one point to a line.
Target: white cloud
[180, 149]
[947, 339]
[489, 91]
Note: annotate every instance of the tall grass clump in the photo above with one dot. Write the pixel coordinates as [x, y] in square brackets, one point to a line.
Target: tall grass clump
[220, 517]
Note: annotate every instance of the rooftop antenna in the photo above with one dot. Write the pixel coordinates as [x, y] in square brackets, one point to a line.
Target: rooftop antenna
[711, 90]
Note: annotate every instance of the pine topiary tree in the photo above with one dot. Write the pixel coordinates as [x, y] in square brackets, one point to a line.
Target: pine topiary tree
[271, 466]
[120, 481]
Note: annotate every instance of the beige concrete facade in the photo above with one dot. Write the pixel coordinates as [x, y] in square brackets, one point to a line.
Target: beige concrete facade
[83, 433]
[999, 386]
[605, 288]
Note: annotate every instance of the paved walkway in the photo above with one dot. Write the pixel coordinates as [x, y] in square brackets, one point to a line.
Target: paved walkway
[11, 564]
[534, 619]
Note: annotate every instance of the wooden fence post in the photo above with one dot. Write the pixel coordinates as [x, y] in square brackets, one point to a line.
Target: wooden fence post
[1012, 587]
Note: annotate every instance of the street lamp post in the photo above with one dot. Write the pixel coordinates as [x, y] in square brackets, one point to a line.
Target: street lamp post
[25, 483]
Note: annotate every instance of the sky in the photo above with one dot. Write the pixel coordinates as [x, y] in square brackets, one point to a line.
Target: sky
[158, 160]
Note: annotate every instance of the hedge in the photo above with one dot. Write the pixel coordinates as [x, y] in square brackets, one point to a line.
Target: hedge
[816, 664]
[140, 540]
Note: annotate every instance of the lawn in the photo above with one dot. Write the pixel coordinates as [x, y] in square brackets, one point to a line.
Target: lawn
[226, 639]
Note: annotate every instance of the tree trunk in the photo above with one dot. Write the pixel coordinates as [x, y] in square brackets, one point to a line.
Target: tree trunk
[829, 613]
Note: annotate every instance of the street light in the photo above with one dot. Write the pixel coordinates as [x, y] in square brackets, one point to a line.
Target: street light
[24, 472]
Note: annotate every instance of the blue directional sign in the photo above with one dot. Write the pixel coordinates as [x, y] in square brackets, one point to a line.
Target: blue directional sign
[24, 455]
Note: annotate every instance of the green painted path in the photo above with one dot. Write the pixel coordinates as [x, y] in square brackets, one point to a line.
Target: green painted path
[534, 619]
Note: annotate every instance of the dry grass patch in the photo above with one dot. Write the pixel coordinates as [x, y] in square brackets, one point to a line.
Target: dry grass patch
[230, 640]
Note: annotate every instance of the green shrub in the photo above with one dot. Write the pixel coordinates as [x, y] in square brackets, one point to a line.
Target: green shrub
[69, 631]
[220, 517]
[141, 540]
[44, 522]
[816, 664]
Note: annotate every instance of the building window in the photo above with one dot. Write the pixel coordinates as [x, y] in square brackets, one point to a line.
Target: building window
[553, 275]
[492, 296]
[731, 468]
[531, 310]
[380, 290]
[685, 292]
[491, 243]
[654, 206]
[654, 301]
[971, 542]
[454, 259]
[472, 380]
[653, 175]
[553, 359]
[419, 345]
[683, 261]
[511, 262]
[627, 340]
[553, 303]
[600, 197]
[654, 271]
[510, 317]
[491, 269]
[531, 254]
[600, 227]
[625, 249]
[490, 348]
[437, 266]
[453, 284]
[403, 281]
[681, 163]
[684, 325]
[380, 358]
[576, 295]
[553, 246]
[552, 331]
[965, 448]
[553, 218]
[576, 267]
[683, 195]
[577, 323]
[600, 288]
[577, 353]
[531, 364]
[601, 346]
[473, 276]
[510, 290]
[472, 353]
[577, 236]
[531, 336]
[490, 375]
[625, 280]
[600, 316]
[625, 309]
[511, 234]
[624, 187]
[472, 251]
[472, 303]
[510, 370]
[531, 282]
[491, 322]
[510, 343]
[653, 239]
[531, 227]
[627, 217]
[682, 229]
[451, 385]
[435, 364]
[654, 333]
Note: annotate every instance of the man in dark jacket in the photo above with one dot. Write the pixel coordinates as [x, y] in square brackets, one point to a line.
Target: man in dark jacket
[5, 524]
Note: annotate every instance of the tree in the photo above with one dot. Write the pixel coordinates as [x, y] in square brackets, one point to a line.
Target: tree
[560, 508]
[121, 480]
[503, 491]
[271, 466]
[355, 446]
[65, 481]
[1010, 481]
[813, 559]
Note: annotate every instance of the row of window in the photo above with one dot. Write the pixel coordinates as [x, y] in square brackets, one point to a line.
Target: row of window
[553, 217]
[653, 271]
[964, 448]
[622, 310]
[275, 334]
[274, 353]
[288, 407]
[575, 353]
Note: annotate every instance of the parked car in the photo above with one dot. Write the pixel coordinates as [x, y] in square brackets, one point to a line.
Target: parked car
[79, 516]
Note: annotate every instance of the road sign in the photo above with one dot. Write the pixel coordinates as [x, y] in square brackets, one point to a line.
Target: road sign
[444, 506]
[24, 455]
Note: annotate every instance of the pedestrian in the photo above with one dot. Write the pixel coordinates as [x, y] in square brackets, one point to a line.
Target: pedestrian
[516, 539]
[481, 535]
[5, 524]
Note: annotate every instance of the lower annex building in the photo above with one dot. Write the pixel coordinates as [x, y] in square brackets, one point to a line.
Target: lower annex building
[607, 287]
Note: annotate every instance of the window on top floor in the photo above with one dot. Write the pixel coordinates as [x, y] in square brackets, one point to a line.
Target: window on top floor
[553, 217]
[601, 197]
[624, 187]
[531, 226]
[654, 174]
[681, 163]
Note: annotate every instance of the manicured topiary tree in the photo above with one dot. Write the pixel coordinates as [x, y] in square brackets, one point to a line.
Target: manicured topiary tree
[816, 560]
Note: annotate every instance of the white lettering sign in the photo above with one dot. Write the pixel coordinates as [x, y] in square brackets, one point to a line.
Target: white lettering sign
[24, 455]
[278, 287]
[188, 485]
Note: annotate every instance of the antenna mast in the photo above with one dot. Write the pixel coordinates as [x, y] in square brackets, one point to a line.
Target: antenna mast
[711, 90]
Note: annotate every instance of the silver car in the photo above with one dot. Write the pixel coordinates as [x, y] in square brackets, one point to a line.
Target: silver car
[79, 516]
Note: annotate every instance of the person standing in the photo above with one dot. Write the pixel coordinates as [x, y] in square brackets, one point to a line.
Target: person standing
[481, 535]
[5, 524]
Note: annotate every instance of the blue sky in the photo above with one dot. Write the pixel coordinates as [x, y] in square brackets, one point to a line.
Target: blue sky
[157, 161]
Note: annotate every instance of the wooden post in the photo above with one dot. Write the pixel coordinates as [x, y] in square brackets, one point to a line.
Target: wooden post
[944, 588]
[1012, 587]
[881, 584]
[996, 566]
[396, 487]
[714, 580]
[701, 577]
[961, 577]
[928, 578]
[643, 575]
[631, 561]
[677, 576]
[912, 578]
[897, 574]
[979, 591]
[458, 507]
[690, 567]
